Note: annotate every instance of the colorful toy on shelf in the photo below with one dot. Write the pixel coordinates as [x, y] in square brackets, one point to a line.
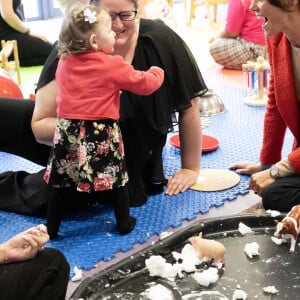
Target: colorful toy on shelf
[8, 88]
[256, 81]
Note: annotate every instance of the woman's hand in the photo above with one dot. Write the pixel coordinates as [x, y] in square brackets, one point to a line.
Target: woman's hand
[260, 175]
[190, 133]
[181, 181]
[39, 36]
[25, 245]
[259, 181]
[246, 168]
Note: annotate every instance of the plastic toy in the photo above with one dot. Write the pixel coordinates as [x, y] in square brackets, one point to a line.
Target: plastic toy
[8, 88]
[289, 227]
[256, 81]
[210, 249]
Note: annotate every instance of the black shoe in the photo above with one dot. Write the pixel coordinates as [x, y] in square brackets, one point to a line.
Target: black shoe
[129, 227]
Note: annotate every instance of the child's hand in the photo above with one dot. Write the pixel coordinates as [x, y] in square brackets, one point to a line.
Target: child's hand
[156, 68]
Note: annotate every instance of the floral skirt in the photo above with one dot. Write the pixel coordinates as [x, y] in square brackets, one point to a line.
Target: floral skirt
[87, 155]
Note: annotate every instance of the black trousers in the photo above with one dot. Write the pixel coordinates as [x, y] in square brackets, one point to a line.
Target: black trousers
[16, 134]
[25, 193]
[32, 51]
[282, 194]
[44, 277]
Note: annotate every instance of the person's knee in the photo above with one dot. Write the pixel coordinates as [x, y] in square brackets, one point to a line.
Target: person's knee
[63, 263]
[54, 276]
[216, 53]
[221, 57]
[274, 199]
[268, 198]
[58, 261]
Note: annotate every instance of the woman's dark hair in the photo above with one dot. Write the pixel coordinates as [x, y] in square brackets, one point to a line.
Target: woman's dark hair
[285, 5]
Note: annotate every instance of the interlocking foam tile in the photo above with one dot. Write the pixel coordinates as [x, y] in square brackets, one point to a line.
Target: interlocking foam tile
[91, 236]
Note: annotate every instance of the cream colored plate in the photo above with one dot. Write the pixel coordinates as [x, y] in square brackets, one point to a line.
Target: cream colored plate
[212, 180]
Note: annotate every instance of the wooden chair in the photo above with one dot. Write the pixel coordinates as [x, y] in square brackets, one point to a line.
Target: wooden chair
[10, 65]
[191, 5]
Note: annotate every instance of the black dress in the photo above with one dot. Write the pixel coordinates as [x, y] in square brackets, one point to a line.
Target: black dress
[144, 122]
[32, 51]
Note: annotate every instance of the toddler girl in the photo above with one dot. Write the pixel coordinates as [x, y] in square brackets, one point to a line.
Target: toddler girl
[87, 152]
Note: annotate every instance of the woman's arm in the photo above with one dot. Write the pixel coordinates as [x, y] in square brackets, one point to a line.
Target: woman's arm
[190, 132]
[10, 17]
[24, 245]
[44, 115]
[234, 21]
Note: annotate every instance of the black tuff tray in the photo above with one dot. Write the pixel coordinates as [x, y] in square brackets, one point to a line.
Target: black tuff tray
[275, 266]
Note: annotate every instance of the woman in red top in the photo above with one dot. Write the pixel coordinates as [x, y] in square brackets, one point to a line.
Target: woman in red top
[241, 40]
[277, 180]
[88, 153]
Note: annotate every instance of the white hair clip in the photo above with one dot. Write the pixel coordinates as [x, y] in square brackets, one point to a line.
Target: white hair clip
[89, 16]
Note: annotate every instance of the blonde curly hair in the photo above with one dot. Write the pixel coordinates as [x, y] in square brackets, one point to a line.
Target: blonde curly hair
[75, 30]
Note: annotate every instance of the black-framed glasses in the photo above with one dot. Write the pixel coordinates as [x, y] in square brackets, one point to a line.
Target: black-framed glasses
[124, 15]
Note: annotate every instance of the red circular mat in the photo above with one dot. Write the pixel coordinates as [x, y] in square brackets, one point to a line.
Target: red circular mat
[209, 143]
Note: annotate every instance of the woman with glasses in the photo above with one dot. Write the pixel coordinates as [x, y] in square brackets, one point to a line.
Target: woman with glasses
[145, 120]
[145, 124]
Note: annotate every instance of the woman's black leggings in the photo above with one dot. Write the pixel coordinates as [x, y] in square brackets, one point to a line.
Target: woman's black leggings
[15, 131]
[282, 194]
[44, 277]
[21, 192]
[32, 50]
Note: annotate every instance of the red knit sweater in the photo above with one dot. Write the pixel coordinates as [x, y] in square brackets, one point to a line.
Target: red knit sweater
[282, 109]
[89, 85]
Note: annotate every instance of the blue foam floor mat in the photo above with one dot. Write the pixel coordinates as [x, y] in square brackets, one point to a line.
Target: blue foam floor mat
[91, 236]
